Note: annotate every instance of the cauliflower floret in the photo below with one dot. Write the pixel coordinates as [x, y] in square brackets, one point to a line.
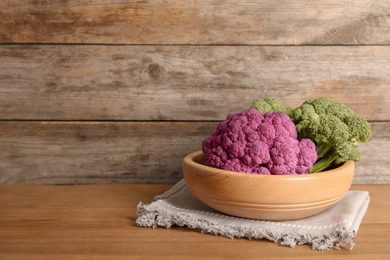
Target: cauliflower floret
[261, 144]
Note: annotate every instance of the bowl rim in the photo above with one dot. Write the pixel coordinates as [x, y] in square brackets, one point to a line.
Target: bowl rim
[190, 160]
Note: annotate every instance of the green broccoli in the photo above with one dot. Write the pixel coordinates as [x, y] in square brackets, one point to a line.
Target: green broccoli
[271, 104]
[333, 126]
[335, 129]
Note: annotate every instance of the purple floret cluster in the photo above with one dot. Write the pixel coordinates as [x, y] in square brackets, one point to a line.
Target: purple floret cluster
[258, 143]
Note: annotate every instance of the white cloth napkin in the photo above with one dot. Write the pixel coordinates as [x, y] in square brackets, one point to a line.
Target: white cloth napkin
[333, 228]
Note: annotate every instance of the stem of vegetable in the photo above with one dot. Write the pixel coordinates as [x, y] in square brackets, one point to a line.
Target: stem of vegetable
[324, 162]
[323, 148]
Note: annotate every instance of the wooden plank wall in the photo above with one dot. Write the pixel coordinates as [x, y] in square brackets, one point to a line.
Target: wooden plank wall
[114, 91]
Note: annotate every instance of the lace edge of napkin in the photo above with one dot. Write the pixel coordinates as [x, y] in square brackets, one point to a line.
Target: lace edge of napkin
[150, 215]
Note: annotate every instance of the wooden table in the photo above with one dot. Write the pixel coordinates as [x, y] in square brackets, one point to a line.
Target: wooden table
[84, 221]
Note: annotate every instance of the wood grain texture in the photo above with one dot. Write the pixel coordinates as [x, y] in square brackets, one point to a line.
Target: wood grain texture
[139, 84]
[41, 82]
[131, 152]
[195, 22]
[98, 221]
[96, 152]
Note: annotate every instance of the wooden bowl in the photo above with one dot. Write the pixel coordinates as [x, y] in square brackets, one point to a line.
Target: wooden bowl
[266, 197]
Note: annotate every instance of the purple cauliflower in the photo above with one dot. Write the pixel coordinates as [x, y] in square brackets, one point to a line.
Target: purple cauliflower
[258, 143]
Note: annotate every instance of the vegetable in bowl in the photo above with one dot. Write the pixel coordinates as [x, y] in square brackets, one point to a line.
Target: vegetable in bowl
[254, 142]
[333, 127]
[270, 104]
